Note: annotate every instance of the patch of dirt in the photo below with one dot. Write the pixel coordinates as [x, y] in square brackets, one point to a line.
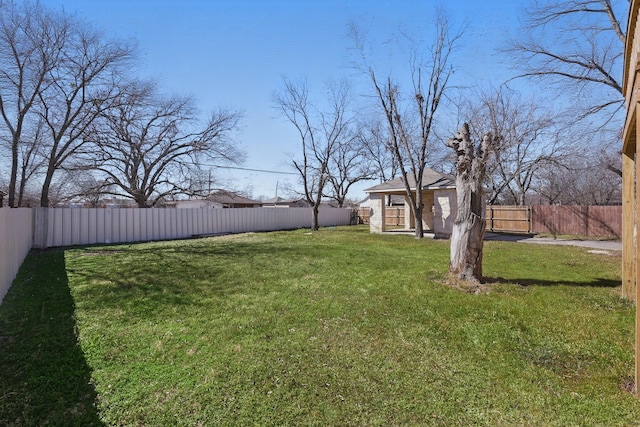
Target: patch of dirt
[469, 287]
[628, 384]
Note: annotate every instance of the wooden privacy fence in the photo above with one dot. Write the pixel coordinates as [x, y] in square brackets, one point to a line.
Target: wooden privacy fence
[589, 221]
[394, 215]
[22, 229]
[509, 219]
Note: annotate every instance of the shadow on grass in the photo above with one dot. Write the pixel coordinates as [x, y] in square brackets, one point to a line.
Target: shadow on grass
[147, 279]
[596, 283]
[45, 379]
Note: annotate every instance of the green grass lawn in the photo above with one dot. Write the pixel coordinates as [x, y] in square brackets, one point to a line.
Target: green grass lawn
[336, 327]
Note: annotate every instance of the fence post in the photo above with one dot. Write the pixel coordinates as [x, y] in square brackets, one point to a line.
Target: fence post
[491, 215]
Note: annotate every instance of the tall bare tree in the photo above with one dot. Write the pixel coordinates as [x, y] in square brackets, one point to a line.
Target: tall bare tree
[410, 130]
[85, 82]
[32, 158]
[147, 146]
[31, 38]
[57, 70]
[467, 238]
[321, 133]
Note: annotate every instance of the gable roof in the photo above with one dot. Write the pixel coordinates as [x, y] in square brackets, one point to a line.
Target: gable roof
[431, 180]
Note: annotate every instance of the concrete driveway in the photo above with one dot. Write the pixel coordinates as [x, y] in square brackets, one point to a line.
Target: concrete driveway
[603, 245]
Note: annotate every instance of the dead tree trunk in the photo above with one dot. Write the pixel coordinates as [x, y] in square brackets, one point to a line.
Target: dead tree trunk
[468, 228]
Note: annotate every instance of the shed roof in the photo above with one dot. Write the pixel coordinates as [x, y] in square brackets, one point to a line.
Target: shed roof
[431, 180]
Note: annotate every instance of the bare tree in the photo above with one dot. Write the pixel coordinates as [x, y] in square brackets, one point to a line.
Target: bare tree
[147, 146]
[579, 181]
[409, 144]
[58, 72]
[530, 141]
[349, 165]
[576, 48]
[321, 134]
[467, 238]
[31, 38]
[375, 140]
[32, 159]
[85, 81]
[577, 44]
[86, 188]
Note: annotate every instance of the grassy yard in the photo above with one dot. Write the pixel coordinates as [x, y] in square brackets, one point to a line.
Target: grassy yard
[336, 327]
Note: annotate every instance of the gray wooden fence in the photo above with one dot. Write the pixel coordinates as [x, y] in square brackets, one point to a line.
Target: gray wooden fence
[22, 229]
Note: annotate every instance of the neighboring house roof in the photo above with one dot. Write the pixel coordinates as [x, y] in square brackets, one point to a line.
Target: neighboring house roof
[274, 201]
[229, 198]
[431, 180]
[279, 201]
[329, 204]
[192, 203]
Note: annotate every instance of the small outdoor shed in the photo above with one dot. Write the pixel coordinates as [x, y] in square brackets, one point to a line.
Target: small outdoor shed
[438, 196]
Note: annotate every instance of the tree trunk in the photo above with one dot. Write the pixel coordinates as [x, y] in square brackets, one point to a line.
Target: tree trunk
[467, 238]
[140, 199]
[23, 184]
[14, 173]
[46, 185]
[419, 229]
[314, 220]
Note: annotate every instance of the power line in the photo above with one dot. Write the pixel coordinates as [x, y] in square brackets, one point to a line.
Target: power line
[250, 169]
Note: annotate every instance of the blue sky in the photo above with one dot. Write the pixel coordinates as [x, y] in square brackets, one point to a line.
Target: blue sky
[234, 53]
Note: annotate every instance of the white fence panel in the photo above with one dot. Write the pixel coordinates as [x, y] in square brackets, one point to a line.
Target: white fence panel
[20, 229]
[74, 226]
[16, 235]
